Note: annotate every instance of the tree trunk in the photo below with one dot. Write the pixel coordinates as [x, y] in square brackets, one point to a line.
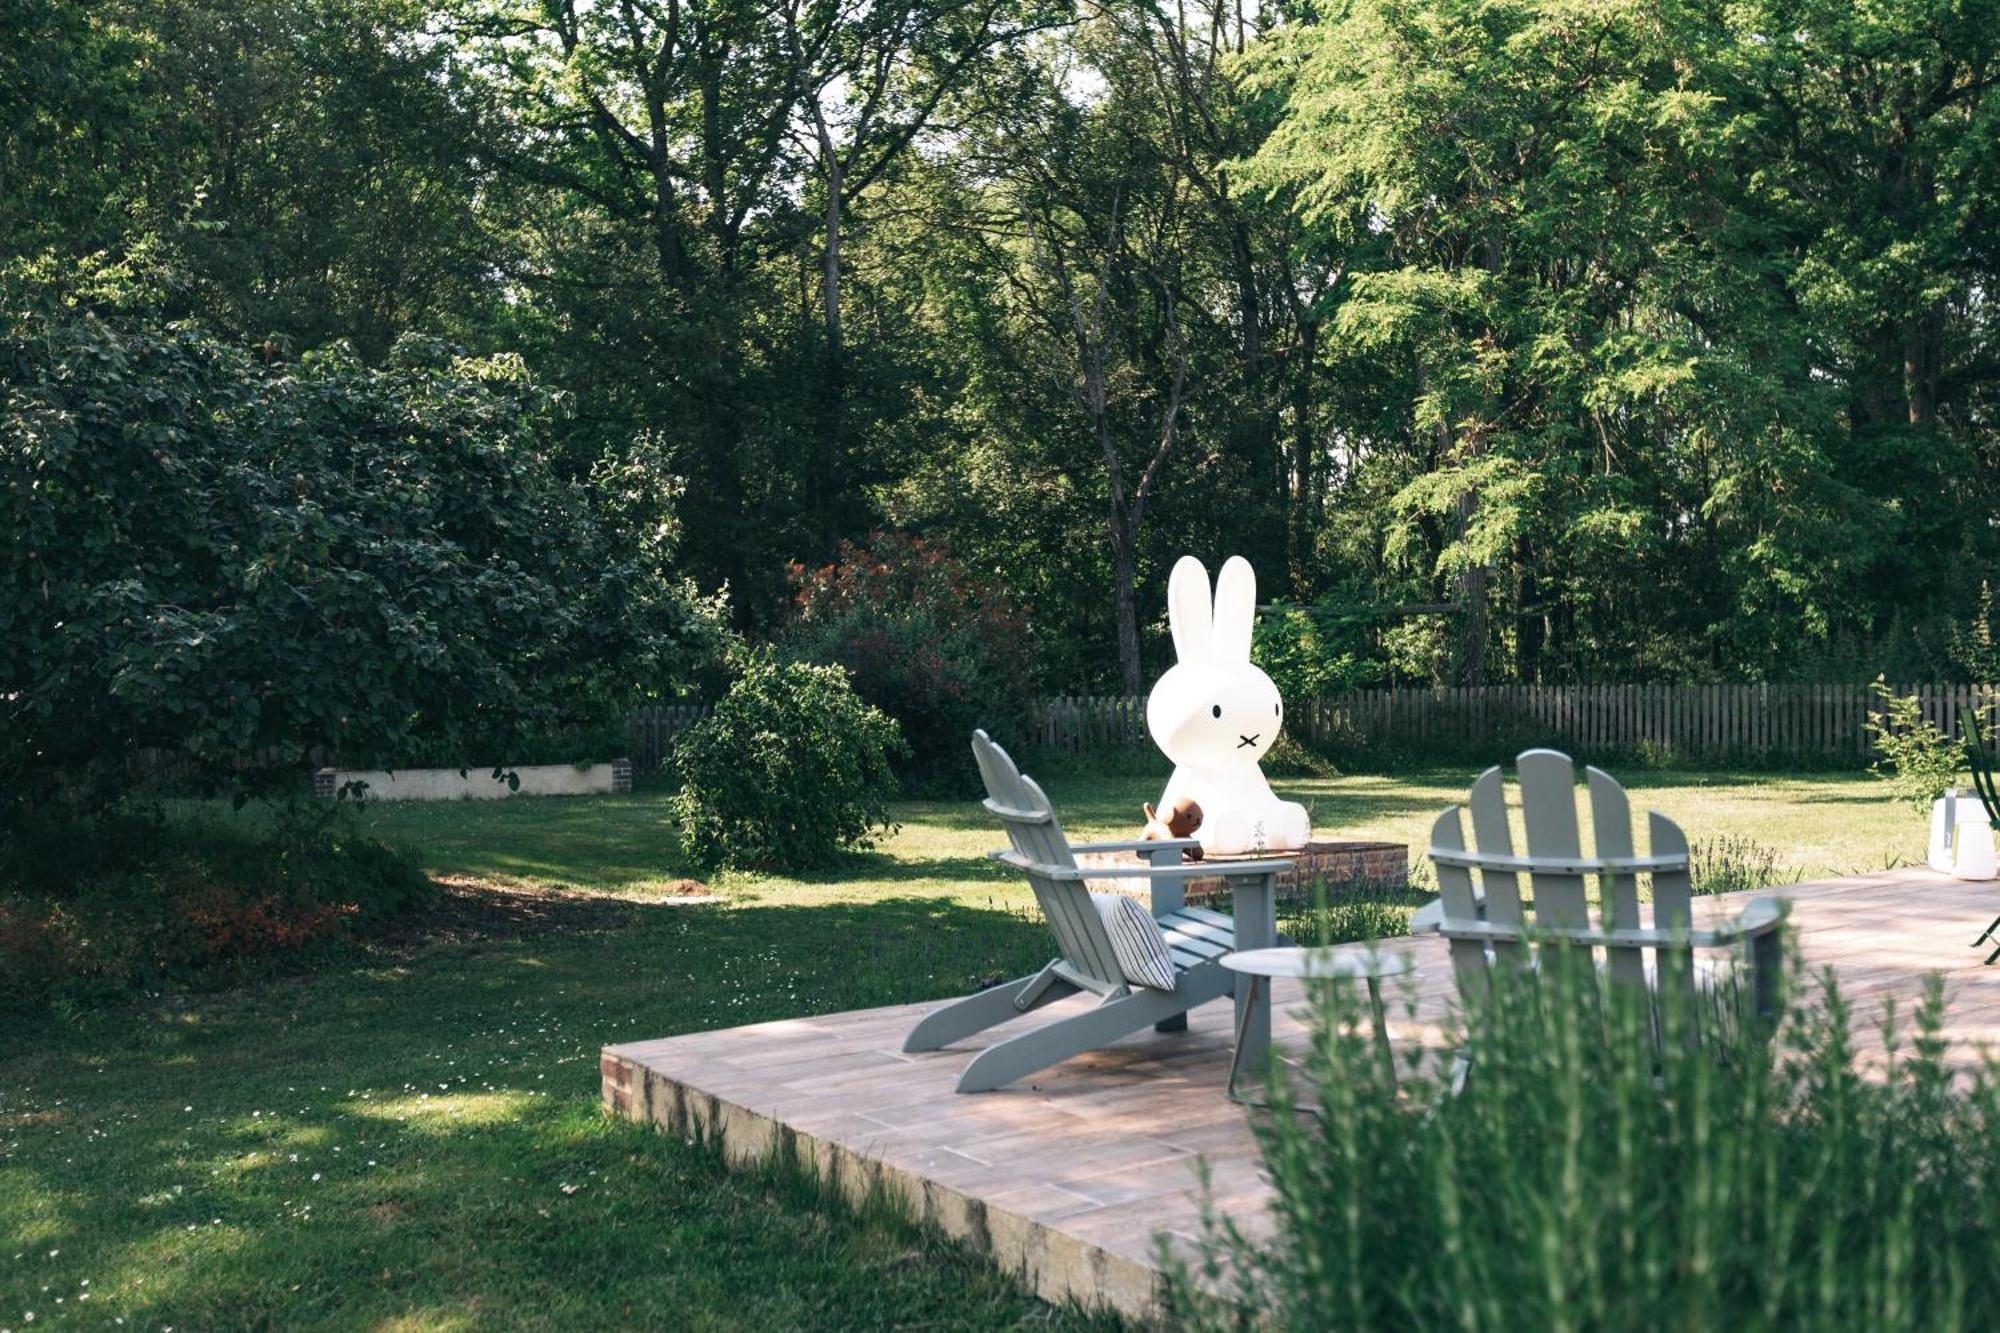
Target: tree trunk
[1303, 518]
[1530, 627]
[1472, 582]
[1125, 577]
[831, 257]
[830, 277]
[1923, 340]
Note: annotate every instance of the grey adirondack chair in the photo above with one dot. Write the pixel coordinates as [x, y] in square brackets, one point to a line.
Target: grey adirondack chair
[1196, 938]
[1492, 923]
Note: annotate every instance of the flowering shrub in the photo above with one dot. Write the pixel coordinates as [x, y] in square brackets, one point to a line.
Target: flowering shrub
[133, 898]
[924, 640]
[791, 768]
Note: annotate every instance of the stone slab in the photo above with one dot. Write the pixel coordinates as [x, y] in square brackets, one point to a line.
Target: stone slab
[477, 782]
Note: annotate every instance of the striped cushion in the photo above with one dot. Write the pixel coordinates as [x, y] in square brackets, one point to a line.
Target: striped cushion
[1136, 939]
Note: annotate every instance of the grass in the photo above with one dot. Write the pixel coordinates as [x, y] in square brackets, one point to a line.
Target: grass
[1818, 824]
[413, 1142]
[409, 1137]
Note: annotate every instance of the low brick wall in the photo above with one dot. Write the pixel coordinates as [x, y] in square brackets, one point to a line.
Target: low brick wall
[1338, 865]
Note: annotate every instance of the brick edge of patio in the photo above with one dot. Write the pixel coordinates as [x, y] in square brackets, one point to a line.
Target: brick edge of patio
[1053, 1265]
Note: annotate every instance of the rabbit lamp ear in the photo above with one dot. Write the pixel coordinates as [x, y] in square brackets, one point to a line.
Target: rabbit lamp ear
[1189, 614]
[1235, 611]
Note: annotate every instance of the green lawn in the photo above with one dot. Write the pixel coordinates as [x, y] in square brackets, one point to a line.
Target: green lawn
[1819, 824]
[409, 1138]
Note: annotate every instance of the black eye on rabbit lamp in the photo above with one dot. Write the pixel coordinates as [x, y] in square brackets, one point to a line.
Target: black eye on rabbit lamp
[1214, 714]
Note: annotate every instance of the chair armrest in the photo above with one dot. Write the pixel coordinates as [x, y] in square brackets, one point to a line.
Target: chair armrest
[1137, 845]
[1760, 918]
[1187, 870]
[1430, 916]
[1556, 865]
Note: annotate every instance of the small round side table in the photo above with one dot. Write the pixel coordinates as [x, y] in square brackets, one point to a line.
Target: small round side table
[1258, 967]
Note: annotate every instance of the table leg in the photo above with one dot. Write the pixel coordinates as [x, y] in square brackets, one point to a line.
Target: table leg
[1168, 896]
[1256, 928]
[1246, 1008]
[1381, 1022]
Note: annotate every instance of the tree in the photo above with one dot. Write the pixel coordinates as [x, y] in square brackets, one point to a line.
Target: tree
[1599, 270]
[871, 76]
[73, 122]
[1095, 249]
[1552, 339]
[239, 559]
[925, 641]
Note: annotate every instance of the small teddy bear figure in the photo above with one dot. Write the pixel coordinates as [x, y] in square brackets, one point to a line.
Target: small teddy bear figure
[1181, 822]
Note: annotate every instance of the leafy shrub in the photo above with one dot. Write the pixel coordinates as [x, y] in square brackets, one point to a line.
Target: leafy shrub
[221, 553]
[1310, 652]
[1974, 649]
[791, 768]
[1920, 761]
[924, 641]
[134, 898]
[568, 745]
[1293, 758]
[1584, 1178]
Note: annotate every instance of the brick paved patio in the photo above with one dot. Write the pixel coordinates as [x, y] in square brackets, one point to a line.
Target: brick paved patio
[1069, 1177]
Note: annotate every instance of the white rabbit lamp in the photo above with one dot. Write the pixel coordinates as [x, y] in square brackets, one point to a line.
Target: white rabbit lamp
[1214, 714]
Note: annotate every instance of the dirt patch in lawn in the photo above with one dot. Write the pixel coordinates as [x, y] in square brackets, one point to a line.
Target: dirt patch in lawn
[470, 912]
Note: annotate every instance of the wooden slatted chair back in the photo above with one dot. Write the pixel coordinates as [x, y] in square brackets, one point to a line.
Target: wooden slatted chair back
[1558, 872]
[1037, 837]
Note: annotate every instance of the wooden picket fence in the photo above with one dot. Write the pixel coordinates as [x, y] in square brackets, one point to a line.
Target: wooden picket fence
[1704, 722]
[654, 728]
[1695, 722]
[1084, 723]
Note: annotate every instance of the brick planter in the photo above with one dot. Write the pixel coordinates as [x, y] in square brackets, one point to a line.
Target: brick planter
[1338, 865]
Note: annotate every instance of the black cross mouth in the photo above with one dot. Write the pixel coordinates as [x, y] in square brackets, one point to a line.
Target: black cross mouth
[1247, 740]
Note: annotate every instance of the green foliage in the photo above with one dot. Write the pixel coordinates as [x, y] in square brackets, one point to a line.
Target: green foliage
[1975, 646]
[100, 906]
[1354, 913]
[1731, 863]
[924, 641]
[1634, 343]
[1920, 761]
[62, 187]
[227, 555]
[791, 769]
[1586, 1178]
[1647, 274]
[1310, 652]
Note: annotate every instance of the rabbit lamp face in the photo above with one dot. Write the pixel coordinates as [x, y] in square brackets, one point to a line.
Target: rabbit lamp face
[1213, 710]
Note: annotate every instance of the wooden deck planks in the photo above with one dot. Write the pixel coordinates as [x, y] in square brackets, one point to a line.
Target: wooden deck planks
[1069, 1176]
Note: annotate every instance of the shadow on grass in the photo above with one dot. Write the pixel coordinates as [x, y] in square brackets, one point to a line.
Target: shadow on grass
[887, 867]
[610, 842]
